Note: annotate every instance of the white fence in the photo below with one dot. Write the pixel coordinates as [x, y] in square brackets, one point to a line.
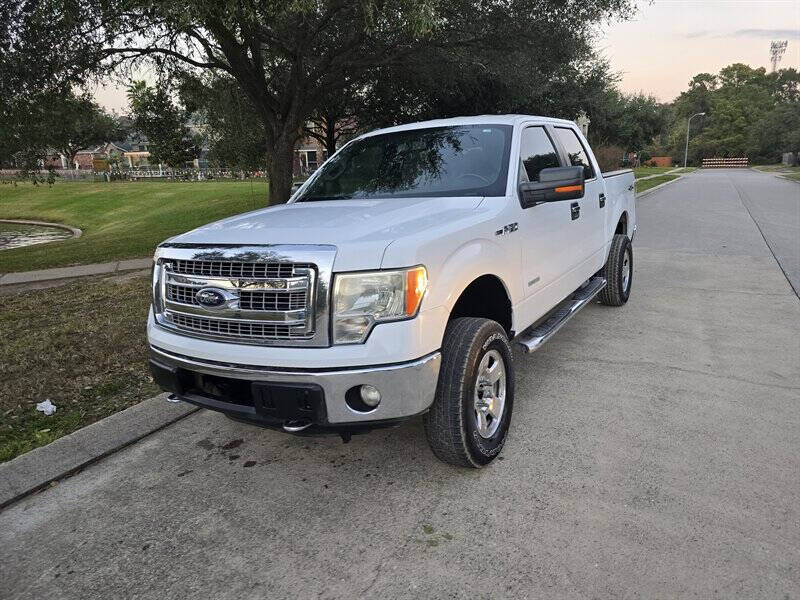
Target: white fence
[138, 174]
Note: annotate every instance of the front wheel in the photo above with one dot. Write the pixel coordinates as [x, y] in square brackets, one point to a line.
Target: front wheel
[468, 422]
[618, 272]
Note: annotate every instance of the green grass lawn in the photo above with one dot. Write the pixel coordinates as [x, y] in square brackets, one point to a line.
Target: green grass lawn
[651, 183]
[777, 168]
[81, 345]
[119, 220]
[793, 176]
[645, 171]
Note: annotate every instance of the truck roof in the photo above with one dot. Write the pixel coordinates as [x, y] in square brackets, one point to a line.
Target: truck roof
[478, 119]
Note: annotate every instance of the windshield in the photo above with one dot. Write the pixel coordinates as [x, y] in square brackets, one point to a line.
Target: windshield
[466, 160]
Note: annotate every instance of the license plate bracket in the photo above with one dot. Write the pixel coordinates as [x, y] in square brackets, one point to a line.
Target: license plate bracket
[289, 401]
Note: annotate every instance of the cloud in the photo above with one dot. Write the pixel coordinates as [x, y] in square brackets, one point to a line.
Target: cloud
[697, 34]
[772, 34]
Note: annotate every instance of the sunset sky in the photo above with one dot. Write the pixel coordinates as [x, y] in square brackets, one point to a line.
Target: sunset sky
[669, 41]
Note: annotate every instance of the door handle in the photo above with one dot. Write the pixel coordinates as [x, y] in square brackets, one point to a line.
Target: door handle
[602, 200]
[576, 210]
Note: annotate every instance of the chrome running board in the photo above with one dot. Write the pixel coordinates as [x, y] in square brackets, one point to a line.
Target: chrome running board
[534, 338]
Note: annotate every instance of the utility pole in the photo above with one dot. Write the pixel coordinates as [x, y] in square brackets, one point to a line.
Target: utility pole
[688, 124]
[776, 51]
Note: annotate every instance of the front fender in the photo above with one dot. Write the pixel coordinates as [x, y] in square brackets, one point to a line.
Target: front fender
[455, 270]
[466, 264]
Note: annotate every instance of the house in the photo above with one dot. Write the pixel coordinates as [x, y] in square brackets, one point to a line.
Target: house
[84, 159]
[308, 155]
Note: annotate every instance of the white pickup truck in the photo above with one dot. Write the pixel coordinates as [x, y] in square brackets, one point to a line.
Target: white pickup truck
[395, 281]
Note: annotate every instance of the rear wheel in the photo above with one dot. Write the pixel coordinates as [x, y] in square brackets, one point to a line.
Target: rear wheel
[468, 422]
[618, 272]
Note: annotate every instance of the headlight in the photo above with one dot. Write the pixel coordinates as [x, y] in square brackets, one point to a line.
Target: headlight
[360, 300]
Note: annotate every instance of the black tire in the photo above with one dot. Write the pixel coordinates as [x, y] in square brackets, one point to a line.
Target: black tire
[617, 290]
[452, 424]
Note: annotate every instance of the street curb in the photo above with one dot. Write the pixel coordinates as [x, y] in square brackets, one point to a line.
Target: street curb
[660, 185]
[38, 468]
[76, 271]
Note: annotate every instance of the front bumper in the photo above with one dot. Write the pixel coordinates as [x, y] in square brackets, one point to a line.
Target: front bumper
[274, 397]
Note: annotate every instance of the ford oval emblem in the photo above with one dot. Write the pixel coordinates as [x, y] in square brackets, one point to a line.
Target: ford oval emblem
[210, 297]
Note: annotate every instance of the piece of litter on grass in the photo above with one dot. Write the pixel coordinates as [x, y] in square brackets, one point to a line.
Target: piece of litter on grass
[47, 407]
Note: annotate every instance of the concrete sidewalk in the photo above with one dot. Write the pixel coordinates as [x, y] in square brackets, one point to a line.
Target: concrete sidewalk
[76, 271]
[37, 468]
[672, 172]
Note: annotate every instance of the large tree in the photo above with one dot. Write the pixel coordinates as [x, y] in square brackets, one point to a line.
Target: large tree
[775, 133]
[163, 123]
[232, 126]
[77, 123]
[748, 112]
[337, 117]
[43, 56]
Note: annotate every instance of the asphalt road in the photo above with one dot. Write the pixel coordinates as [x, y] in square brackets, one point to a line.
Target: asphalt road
[655, 452]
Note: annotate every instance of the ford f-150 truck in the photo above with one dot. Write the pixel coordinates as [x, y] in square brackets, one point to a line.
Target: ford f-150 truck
[395, 282]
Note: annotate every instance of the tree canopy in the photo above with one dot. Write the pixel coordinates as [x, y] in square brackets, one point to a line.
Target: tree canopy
[289, 57]
[76, 123]
[163, 123]
[749, 112]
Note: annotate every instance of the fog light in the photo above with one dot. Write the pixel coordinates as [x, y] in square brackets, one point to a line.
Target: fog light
[370, 395]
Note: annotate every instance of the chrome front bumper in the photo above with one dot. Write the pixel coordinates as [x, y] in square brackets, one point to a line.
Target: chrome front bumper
[406, 389]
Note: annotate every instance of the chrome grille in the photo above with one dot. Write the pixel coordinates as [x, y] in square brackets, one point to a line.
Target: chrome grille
[260, 294]
[272, 300]
[182, 293]
[229, 268]
[237, 329]
[248, 299]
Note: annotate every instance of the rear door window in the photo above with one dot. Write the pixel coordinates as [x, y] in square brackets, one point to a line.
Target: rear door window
[578, 157]
[536, 153]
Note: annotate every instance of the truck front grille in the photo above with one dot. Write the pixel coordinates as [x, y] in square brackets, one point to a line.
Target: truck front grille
[272, 300]
[248, 299]
[261, 302]
[229, 268]
[237, 329]
[272, 295]
[183, 294]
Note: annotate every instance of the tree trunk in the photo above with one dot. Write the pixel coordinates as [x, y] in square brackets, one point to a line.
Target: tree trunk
[280, 168]
[71, 154]
[330, 135]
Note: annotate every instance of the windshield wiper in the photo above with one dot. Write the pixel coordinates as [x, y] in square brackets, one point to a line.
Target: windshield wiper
[321, 198]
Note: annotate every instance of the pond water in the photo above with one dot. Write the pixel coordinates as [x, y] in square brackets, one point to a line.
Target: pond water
[17, 235]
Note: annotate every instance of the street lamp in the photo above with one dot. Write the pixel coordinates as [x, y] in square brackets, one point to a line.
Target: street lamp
[688, 124]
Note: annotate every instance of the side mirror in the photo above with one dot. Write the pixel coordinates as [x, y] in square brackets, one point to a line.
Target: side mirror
[555, 184]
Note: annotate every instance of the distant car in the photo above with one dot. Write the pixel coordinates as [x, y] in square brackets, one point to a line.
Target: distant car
[395, 281]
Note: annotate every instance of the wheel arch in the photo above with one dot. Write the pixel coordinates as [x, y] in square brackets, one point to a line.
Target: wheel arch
[622, 224]
[486, 296]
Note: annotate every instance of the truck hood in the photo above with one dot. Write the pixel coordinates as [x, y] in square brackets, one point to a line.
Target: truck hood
[360, 229]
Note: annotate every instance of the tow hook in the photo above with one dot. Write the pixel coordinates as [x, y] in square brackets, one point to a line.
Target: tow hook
[296, 425]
